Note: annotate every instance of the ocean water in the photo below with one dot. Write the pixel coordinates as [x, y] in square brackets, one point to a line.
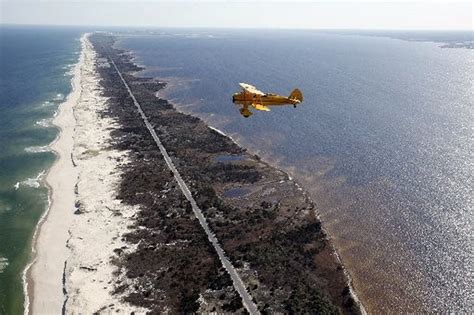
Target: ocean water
[383, 142]
[35, 65]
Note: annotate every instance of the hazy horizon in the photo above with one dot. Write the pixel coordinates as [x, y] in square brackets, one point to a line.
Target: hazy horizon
[263, 14]
[138, 27]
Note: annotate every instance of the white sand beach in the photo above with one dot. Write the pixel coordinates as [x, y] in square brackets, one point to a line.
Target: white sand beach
[74, 243]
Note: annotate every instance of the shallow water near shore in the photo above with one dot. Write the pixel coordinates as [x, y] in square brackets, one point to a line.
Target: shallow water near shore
[381, 142]
[35, 79]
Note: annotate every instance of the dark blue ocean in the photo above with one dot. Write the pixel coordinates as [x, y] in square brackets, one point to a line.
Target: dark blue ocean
[34, 79]
[383, 142]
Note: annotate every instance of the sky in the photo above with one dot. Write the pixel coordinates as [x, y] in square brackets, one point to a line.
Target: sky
[305, 14]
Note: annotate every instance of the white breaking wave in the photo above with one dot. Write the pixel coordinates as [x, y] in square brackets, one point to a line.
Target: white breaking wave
[70, 70]
[46, 123]
[31, 182]
[47, 104]
[69, 66]
[38, 149]
[59, 97]
[3, 263]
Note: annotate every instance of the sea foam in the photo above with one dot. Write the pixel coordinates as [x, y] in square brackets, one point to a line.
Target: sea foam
[46, 123]
[3, 263]
[70, 69]
[38, 149]
[33, 182]
[59, 97]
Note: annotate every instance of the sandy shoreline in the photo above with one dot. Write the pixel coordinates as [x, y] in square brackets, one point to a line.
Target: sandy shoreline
[43, 265]
[72, 256]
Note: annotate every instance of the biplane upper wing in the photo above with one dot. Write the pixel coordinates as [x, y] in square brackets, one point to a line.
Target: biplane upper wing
[260, 107]
[251, 89]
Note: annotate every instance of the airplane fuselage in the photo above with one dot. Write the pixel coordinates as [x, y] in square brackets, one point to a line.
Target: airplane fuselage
[269, 99]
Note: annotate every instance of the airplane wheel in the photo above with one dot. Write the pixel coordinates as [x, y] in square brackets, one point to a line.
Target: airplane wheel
[294, 106]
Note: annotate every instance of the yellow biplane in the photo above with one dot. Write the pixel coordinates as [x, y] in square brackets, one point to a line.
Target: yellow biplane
[250, 96]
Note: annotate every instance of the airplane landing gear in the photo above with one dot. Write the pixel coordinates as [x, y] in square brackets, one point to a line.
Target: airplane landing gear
[245, 112]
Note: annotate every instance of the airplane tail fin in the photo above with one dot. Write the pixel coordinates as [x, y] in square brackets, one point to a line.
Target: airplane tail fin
[296, 95]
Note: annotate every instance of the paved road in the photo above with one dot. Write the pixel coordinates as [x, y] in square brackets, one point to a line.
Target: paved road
[237, 281]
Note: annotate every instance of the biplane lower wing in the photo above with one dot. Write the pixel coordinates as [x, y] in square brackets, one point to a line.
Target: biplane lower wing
[261, 107]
